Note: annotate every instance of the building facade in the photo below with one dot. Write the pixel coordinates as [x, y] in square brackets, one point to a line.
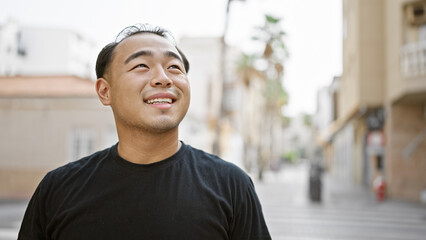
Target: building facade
[206, 94]
[37, 51]
[406, 98]
[47, 122]
[380, 102]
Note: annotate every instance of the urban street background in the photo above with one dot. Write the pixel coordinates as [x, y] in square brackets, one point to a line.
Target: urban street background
[322, 103]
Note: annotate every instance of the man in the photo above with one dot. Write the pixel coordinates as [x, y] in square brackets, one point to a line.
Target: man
[149, 185]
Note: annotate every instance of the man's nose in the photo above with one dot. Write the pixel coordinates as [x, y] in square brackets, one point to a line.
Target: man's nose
[161, 79]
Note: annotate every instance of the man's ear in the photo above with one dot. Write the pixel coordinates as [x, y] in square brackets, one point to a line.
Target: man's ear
[103, 91]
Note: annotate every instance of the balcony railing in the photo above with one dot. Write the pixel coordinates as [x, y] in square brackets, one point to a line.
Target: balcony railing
[413, 59]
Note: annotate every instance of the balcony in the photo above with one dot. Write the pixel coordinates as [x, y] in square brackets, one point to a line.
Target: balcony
[413, 60]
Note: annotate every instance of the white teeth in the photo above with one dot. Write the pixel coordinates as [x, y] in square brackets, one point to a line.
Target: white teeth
[159, 100]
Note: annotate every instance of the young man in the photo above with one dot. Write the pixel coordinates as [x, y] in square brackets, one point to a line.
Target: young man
[149, 185]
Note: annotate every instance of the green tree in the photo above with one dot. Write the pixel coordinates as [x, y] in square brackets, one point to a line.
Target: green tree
[272, 56]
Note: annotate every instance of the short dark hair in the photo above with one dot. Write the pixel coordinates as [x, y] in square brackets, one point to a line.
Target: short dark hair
[105, 55]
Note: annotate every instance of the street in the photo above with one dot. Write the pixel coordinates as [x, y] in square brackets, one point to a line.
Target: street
[11, 213]
[345, 212]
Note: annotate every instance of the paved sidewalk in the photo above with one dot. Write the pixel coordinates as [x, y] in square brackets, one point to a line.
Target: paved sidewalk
[345, 212]
[11, 214]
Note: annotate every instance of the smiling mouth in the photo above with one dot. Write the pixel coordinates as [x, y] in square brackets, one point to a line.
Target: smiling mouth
[160, 101]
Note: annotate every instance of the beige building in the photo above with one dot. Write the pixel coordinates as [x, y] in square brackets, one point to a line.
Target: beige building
[380, 104]
[46, 122]
[406, 98]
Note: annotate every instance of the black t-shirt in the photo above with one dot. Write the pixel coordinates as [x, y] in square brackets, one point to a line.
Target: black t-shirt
[191, 195]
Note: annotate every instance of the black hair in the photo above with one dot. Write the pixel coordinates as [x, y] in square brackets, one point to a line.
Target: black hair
[104, 59]
[105, 55]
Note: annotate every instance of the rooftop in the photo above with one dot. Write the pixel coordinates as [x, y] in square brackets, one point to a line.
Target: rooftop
[46, 86]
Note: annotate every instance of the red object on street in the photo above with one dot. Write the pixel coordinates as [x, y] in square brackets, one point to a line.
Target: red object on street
[380, 187]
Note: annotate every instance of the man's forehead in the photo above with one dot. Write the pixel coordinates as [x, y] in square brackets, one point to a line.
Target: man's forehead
[146, 40]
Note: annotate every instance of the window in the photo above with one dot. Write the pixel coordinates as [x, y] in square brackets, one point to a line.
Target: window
[21, 49]
[82, 143]
[415, 13]
[422, 33]
[109, 137]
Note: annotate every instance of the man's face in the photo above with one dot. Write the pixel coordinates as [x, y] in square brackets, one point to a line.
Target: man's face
[148, 85]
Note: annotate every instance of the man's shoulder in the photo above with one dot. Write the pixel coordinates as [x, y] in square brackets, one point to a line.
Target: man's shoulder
[211, 162]
[209, 158]
[84, 164]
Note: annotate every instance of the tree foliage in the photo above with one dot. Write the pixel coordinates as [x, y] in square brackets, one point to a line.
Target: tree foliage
[274, 54]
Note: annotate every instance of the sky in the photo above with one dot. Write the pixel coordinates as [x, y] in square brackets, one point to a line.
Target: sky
[313, 27]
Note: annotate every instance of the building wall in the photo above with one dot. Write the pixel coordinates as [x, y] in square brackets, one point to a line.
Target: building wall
[359, 148]
[396, 25]
[376, 39]
[343, 155]
[394, 41]
[363, 75]
[206, 91]
[371, 53]
[249, 116]
[328, 154]
[9, 48]
[349, 89]
[324, 113]
[36, 137]
[361, 86]
[405, 105]
[407, 150]
[35, 51]
[199, 126]
[44, 47]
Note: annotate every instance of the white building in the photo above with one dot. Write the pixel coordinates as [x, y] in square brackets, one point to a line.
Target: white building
[36, 51]
[298, 137]
[204, 77]
[326, 109]
[199, 126]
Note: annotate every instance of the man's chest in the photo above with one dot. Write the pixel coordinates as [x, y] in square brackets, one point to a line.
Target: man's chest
[142, 210]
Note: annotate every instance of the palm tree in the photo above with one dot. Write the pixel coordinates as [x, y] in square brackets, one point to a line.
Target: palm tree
[274, 53]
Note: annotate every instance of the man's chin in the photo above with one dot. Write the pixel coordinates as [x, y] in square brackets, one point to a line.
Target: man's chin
[163, 126]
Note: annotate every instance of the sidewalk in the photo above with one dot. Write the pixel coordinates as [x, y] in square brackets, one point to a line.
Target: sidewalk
[11, 214]
[347, 211]
[339, 192]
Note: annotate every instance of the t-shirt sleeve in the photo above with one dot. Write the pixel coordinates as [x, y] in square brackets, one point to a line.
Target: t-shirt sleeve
[34, 222]
[248, 222]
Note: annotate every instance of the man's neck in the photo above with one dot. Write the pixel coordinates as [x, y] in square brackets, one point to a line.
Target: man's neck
[142, 148]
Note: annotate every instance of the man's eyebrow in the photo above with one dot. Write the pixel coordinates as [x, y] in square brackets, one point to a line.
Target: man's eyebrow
[138, 54]
[173, 55]
[150, 53]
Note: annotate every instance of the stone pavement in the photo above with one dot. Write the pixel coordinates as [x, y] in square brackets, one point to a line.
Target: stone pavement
[345, 212]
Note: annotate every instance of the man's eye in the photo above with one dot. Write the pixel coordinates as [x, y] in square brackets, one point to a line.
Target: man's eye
[141, 66]
[175, 67]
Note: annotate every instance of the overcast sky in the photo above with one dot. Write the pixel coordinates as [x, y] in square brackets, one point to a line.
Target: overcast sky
[313, 29]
